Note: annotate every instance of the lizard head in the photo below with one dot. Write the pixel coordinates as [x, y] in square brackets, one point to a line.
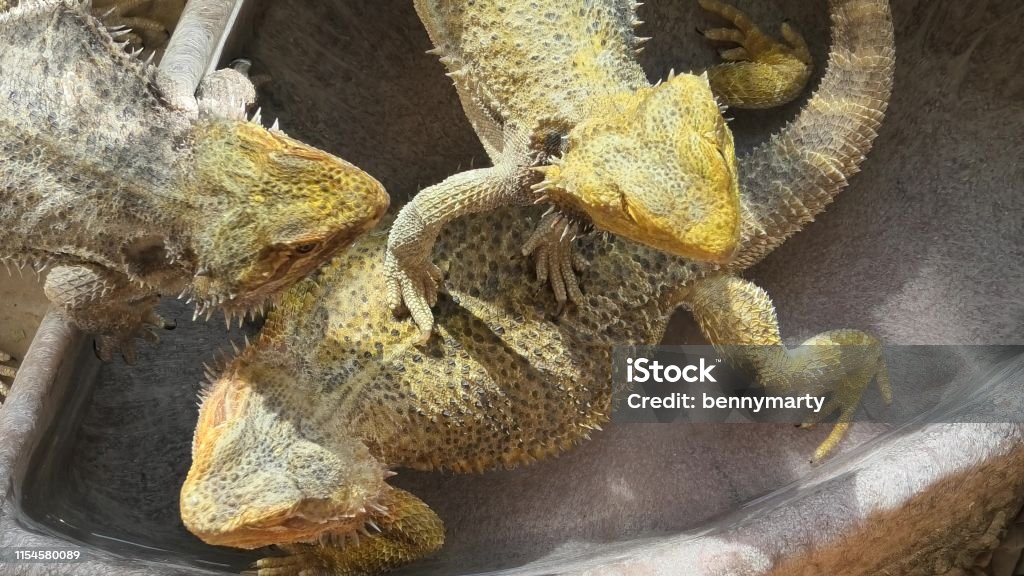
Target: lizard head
[656, 166]
[274, 209]
[259, 476]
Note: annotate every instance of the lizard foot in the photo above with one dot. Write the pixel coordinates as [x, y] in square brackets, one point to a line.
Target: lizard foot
[556, 261]
[106, 346]
[408, 531]
[739, 319]
[760, 72]
[228, 93]
[108, 304]
[858, 356]
[413, 289]
[411, 279]
[6, 373]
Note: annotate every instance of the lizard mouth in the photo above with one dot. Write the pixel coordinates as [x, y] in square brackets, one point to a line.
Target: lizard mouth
[297, 526]
[251, 293]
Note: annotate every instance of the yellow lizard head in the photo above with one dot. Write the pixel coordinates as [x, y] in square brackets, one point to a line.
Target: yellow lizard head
[276, 210]
[260, 476]
[656, 166]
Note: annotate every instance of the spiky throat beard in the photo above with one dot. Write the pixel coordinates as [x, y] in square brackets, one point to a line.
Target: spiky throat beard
[562, 210]
[234, 306]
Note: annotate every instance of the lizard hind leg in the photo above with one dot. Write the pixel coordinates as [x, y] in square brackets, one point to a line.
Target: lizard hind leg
[405, 529]
[864, 362]
[759, 72]
[738, 318]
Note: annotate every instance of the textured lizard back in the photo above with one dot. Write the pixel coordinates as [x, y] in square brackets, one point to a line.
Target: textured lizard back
[82, 133]
[538, 59]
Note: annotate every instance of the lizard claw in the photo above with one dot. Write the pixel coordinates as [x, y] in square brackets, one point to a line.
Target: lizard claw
[556, 261]
[759, 71]
[297, 563]
[106, 346]
[413, 289]
[6, 372]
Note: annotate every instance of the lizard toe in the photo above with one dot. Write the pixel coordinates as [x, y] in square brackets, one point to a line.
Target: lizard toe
[554, 257]
[6, 373]
[758, 70]
[295, 564]
[413, 290]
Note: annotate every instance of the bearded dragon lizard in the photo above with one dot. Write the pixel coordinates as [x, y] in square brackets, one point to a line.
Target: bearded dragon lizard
[147, 33]
[297, 435]
[556, 88]
[123, 195]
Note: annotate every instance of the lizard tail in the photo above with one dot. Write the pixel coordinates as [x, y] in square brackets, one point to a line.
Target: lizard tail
[795, 175]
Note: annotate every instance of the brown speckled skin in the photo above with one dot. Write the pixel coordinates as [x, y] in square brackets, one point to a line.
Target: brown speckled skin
[297, 433]
[123, 197]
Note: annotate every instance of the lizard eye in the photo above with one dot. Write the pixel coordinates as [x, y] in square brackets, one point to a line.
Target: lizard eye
[306, 248]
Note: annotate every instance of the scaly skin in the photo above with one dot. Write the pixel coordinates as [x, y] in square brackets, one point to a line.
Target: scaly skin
[123, 196]
[6, 373]
[297, 434]
[145, 24]
[759, 72]
[554, 88]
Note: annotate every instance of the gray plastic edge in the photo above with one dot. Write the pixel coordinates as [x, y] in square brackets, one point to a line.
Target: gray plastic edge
[35, 395]
[198, 41]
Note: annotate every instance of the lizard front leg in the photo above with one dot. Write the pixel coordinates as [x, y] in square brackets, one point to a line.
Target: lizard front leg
[107, 304]
[146, 24]
[760, 72]
[738, 318]
[412, 280]
[408, 531]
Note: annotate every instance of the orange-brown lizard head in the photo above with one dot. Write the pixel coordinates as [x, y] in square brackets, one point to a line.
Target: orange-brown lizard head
[656, 166]
[271, 466]
[274, 210]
